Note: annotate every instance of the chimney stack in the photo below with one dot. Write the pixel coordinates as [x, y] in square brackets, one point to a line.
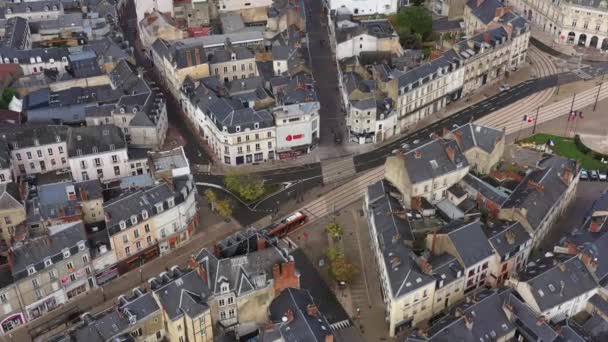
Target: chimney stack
[451, 153]
[312, 310]
[468, 321]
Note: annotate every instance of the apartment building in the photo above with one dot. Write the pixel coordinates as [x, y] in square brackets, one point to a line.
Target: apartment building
[512, 246]
[135, 316]
[97, 152]
[367, 8]
[6, 173]
[17, 34]
[573, 23]
[35, 61]
[140, 110]
[356, 37]
[469, 245]
[427, 171]
[34, 11]
[176, 60]
[182, 295]
[51, 269]
[232, 63]
[449, 279]
[242, 287]
[12, 212]
[37, 150]
[482, 146]
[543, 194]
[236, 134]
[239, 5]
[192, 13]
[11, 308]
[297, 128]
[406, 290]
[483, 15]
[556, 288]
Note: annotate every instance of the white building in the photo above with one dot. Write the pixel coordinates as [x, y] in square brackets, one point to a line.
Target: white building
[371, 121]
[573, 23]
[37, 60]
[172, 163]
[34, 11]
[38, 149]
[297, 128]
[176, 224]
[360, 8]
[148, 6]
[98, 152]
[238, 5]
[352, 38]
[556, 289]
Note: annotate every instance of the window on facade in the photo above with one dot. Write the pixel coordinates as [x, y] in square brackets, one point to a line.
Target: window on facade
[97, 162]
[138, 245]
[127, 250]
[230, 300]
[18, 155]
[29, 155]
[222, 302]
[125, 238]
[136, 233]
[117, 170]
[114, 159]
[222, 314]
[149, 240]
[147, 227]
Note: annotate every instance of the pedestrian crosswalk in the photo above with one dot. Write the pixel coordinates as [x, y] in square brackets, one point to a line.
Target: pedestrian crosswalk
[580, 73]
[340, 325]
[336, 169]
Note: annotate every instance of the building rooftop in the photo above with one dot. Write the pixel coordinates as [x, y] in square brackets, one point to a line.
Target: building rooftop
[555, 281]
[181, 292]
[473, 135]
[507, 237]
[94, 140]
[470, 243]
[34, 252]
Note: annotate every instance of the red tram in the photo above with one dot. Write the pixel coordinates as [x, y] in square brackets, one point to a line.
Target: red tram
[289, 224]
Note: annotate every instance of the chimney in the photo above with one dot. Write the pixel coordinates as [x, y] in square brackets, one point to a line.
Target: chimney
[459, 312]
[425, 266]
[329, 338]
[416, 203]
[433, 242]
[434, 136]
[451, 153]
[540, 320]
[312, 310]
[288, 318]
[589, 260]
[479, 2]
[562, 266]
[509, 29]
[261, 243]
[468, 321]
[458, 138]
[509, 312]
[197, 55]
[561, 288]
[487, 37]
[510, 236]
[594, 226]
[571, 246]
[500, 11]
[418, 154]
[445, 132]
[192, 263]
[188, 58]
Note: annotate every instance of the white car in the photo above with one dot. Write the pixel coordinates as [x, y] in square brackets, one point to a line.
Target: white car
[504, 87]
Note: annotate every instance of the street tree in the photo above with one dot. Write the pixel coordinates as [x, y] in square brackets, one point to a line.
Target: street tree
[334, 230]
[342, 270]
[414, 25]
[222, 207]
[249, 187]
[7, 97]
[334, 253]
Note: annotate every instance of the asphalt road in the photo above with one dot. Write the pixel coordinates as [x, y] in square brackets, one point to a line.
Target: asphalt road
[593, 68]
[325, 75]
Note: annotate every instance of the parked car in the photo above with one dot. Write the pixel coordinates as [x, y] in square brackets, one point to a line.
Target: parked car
[338, 138]
[584, 175]
[603, 175]
[504, 87]
[593, 175]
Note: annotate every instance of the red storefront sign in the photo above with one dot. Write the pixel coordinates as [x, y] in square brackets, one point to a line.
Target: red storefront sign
[294, 137]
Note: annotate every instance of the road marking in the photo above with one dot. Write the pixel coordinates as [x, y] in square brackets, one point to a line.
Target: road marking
[369, 298]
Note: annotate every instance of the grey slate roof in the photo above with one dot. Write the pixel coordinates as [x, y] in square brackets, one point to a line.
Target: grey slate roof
[470, 243]
[29, 136]
[497, 236]
[225, 55]
[10, 196]
[490, 323]
[53, 201]
[15, 35]
[244, 273]
[23, 56]
[477, 185]
[133, 204]
[474, 135]
[35, 6]
[598, 249]
[527, 321]
[404, 274]
[377, 28]
[545, 281]
[445, 268]
[182, 293]
[303, 327]
[33, 252]
[548, 176]
[384, 211]
[95, 139]
[433, 160]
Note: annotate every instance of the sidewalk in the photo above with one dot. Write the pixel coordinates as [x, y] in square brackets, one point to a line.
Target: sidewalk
[589, 54]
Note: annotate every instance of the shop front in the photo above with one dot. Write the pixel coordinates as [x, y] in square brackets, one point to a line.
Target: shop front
[11, 322]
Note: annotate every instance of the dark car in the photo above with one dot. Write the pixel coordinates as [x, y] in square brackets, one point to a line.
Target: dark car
[338, 138]
[593, 175]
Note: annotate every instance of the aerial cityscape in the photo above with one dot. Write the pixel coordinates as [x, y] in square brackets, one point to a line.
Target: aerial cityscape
[303, 170]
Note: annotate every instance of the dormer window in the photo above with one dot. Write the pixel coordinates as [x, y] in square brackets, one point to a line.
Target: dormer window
[238, 128]
[144, 214]
[28, 9]
[9, 11]
[46, 8]
[66, 253]
[233, 56]
[54, 7]
[122, 225]
[78, 152]
[133, 219]
[31, 270]
[32, 60]
[81, 246]
[48, 262]
[94, 149]
[171, 203]
[224, 287]
[15, 60]
[111, 147]
[39, 59]
[159, 207]
[225, 129]
[36, 142]
[256, 125]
